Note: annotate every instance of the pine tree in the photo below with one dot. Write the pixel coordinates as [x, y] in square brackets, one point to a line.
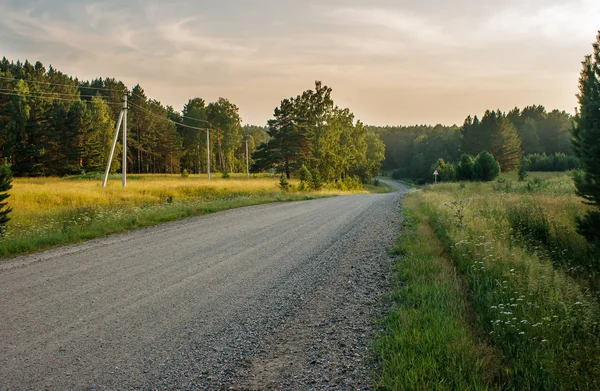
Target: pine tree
[585, 142]
[5, 185]
[495, 134]
[474, 140]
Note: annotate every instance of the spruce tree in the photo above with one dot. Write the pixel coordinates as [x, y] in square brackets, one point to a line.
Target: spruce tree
[585, 142]
[5, 185]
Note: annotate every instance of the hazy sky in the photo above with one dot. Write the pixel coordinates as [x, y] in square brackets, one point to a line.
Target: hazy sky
[390, 62]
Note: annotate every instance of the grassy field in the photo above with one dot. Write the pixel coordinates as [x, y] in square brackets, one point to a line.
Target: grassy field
[496, 290]
[55, 211]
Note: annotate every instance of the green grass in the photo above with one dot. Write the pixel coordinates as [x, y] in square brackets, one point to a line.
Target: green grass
[50, 212]
[428, 343]
[531, 280]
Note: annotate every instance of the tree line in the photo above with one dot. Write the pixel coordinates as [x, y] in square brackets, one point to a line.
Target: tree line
[54, 124]
[540, 136]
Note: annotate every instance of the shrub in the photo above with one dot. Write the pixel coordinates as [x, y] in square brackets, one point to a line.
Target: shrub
[305, 178]
[284, 184]
[5, 186]
[317, 183]
[485, 168]
[185, 173]
[464, 168]
[552, 162]
[522, 173]
[445, 170]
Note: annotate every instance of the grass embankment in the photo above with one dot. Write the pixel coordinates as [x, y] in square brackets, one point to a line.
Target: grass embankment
[52, 211]
[529, 305]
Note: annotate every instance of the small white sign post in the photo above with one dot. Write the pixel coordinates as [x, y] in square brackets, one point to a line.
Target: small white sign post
[435, 175]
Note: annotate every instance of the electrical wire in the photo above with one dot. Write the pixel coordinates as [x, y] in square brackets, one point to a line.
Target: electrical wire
[78, 85]
[19, 94]
[165, 118]
[184, 116]
[49, 94]
[60, 96]
[43, 94]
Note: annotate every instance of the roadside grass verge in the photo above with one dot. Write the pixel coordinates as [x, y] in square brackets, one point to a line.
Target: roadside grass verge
[531, 280]
[49, 212]
[428, 343]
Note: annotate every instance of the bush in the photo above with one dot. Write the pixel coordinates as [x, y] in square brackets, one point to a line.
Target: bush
[445, 170]
[317, 183]
[185, 173]
[284, 184]
[554, 162]
[485, 168]
[5, 186]
[522, 173]
[464, 168]
[305, 178]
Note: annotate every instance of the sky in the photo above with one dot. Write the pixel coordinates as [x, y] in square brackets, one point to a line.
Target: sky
[397, 62]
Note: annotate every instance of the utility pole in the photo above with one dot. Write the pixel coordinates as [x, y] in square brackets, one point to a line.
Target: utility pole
[122, 115]
[124, 162]
[208, 153]
[247, 160]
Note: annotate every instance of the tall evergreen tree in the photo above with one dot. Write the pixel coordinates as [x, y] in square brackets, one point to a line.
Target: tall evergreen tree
[495, 134]
[585, 142]
[285, 151]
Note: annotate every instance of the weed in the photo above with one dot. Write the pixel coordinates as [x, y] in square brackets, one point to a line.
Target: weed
[458, 208]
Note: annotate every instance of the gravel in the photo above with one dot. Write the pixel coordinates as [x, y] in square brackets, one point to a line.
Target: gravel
[282, 296]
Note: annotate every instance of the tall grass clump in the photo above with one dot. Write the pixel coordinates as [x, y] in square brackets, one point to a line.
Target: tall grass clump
[543, 319]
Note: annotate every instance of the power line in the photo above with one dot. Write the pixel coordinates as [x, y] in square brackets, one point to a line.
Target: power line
[26, 95]
[52, 94]
[183, 116]
[163, 118]
[78, 85]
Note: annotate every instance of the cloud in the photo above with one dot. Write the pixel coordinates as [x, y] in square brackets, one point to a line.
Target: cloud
[375, 55]
[408, 24]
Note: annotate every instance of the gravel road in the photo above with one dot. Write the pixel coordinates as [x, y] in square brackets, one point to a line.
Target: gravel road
[281, 296]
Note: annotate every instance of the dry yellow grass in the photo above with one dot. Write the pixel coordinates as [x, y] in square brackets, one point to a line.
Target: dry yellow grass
[32, 198]
[49, 212]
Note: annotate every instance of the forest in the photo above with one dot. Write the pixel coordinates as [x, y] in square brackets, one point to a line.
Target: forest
[54, 124]
[539, 137]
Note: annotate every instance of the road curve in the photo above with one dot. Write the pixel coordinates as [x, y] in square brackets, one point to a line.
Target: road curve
[187, 305]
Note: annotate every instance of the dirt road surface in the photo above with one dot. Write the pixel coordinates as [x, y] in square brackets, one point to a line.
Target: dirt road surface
[279, 296]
